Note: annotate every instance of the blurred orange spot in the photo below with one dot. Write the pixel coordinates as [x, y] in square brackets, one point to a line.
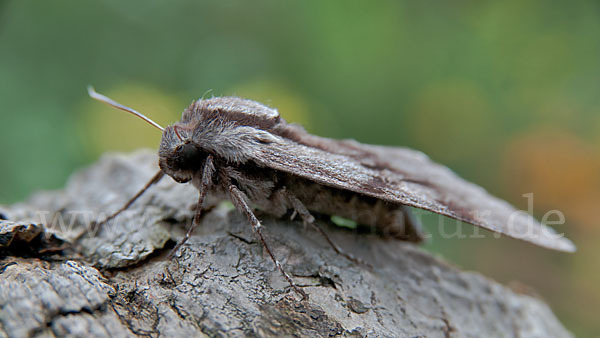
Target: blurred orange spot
[559, 168]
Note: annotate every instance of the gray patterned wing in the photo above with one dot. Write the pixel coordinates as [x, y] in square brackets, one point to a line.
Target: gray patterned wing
[404, 176]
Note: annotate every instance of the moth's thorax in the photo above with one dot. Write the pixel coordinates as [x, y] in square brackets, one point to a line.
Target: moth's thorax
[229, 128]
[236, 109]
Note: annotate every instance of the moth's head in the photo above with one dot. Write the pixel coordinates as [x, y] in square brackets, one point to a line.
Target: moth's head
[178, 156]
[232, 129]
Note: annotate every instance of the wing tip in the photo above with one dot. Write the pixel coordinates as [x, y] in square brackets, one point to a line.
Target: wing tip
[565, 245]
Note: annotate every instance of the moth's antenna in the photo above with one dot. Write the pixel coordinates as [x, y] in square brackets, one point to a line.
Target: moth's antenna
[117, 105]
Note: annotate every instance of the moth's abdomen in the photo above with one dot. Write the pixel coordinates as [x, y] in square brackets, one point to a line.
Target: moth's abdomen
[388, 219]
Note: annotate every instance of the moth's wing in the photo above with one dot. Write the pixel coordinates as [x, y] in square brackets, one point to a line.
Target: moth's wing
[404, 176]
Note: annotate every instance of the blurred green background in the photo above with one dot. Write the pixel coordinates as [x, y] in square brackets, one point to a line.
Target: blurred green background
[505, 93]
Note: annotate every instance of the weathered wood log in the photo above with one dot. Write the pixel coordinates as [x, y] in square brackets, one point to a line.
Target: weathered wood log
[119, 281]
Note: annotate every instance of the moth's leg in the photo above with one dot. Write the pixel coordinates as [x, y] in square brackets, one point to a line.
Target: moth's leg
[205, 184]
[309, 219]
[238, 198]
[152, 181]
[416, 233]
[399, 222]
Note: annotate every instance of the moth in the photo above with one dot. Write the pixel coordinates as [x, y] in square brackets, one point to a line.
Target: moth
[244, 151]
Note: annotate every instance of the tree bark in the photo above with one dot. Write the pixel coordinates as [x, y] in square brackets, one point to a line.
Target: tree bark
[119, 282]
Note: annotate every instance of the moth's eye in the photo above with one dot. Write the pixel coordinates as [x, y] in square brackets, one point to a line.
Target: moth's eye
[187, 156]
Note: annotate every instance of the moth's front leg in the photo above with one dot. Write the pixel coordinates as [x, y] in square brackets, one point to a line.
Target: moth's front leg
[155, 179]
[239, 199]
[206, 181]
